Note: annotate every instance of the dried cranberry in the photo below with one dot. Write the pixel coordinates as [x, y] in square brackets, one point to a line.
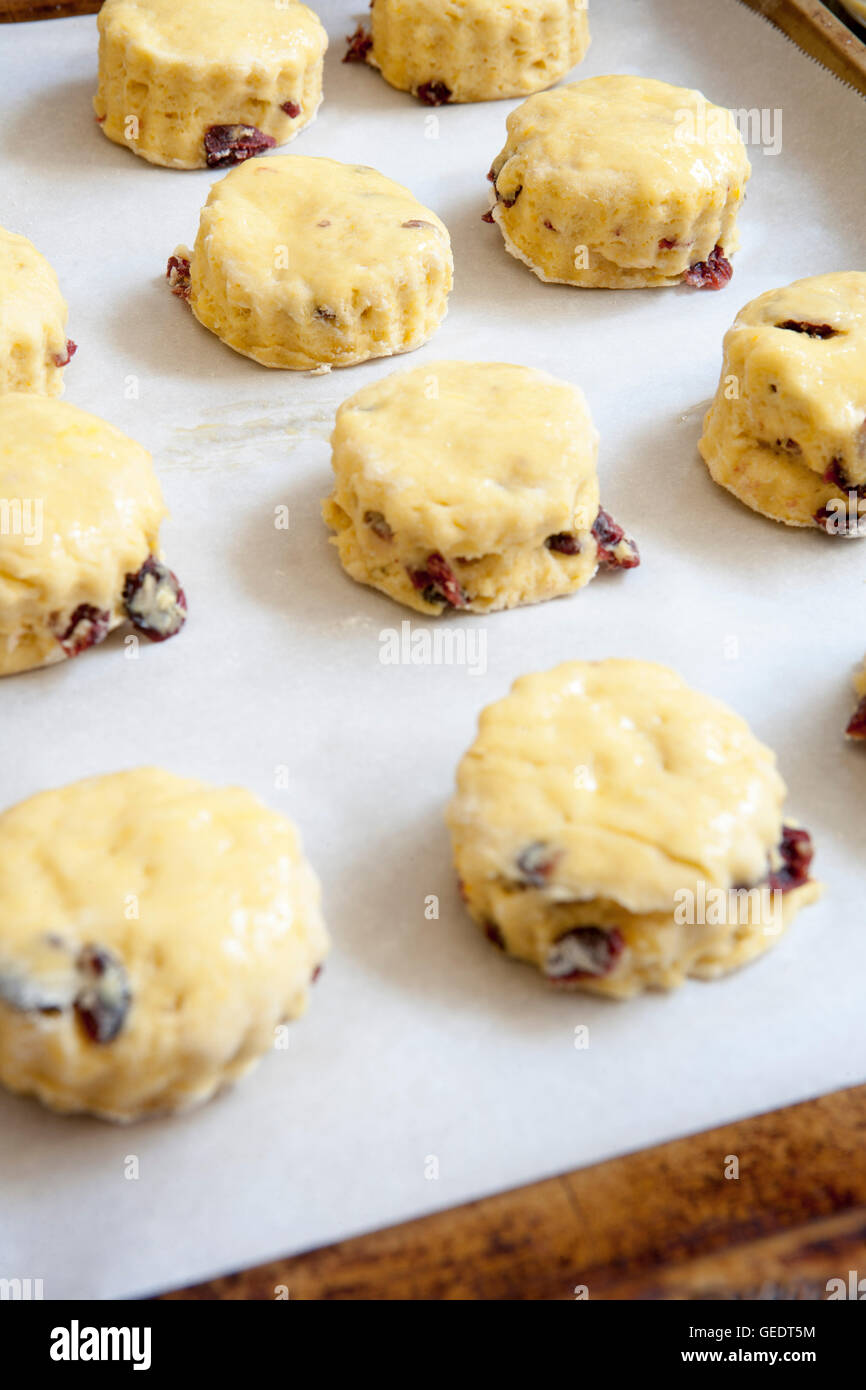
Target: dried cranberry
[178, 276]
[103, 1001]
[232, 144]
[63, 359]
[536, 863]
[666, 244]
[488, 217]
[434, 93]
[360, 44]
[837, 522]
[710, 274]
[494, 935]
[549, 225]
[857, 723]
[610, 538]
[87, 627]
[291, 108]
[584, 953]
[378, 524]
[833, 474]
[438, 583]
[316, 973]
[796, 852]
[154, 601]
[812, 330]
[564, 543]
[326, 315]
[509, 202]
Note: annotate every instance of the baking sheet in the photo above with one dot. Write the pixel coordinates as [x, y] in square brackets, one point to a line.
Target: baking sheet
[422, 1042]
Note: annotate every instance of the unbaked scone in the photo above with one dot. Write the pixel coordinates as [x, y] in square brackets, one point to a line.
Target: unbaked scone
[470, 485]
[189, 83]
[603, 816]
[310, 264]
[476, 50]
[786, 433]
[154, 933]
[34, 347]
[621, 183]
[80, 512]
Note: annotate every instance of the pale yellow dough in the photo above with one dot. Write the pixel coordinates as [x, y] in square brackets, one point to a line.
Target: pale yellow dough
[478, 463]
[32, 320]
[207, 917]
[309, 264]
[80, 509]
[169, 70]
[479, 49]
[597, 795]
[619, 182]
[786, 433]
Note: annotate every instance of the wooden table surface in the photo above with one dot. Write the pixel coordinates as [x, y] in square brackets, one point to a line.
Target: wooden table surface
[665, 1223]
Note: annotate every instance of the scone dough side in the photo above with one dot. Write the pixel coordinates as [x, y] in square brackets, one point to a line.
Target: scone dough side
[204, 914]
[33, 313]
[170, 72]
[620, 183]
[482, 50]
[786, 432]
[85, 510]
[305, 263]
[472, 466]
[594, 796]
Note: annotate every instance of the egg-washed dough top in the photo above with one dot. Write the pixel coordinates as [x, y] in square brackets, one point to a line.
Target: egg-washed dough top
[315, 230]
[657, 140]
[198, 890]
[640, 785]
[233, 33]
[30, 298]
[820, 381]
[87, 496]
[470, 457]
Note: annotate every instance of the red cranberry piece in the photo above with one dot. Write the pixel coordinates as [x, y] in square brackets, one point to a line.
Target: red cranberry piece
[710, 274]
[564, 543]
[584, 953]
[438, 583]
[360, 44]
[509, 202]
[795, 848]
[812, 330]
[178, 276]
[857, 723]
[494, 935]
[291, 108]
[610, 537]
[154, 601]
[667, 244]
[232, 144]
[63, 359]
[378, 524]
[836, 522]
[87, 627]
[833, 474]
[103, 1001]
[536, 863]
[434, 93]
[316, 973]
[488, 217]
[549, 225]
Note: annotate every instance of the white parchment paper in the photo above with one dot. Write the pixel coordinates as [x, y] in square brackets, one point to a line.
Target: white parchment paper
[423, 1042]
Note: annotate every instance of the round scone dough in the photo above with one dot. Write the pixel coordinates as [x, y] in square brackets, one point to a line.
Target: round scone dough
[34, 348]
[310, 264]
[190, 83]
[80, 508]
[621, 183]
[470, 485]
[786, 433]
[477, 50]
[155, 932]
[603, 816]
